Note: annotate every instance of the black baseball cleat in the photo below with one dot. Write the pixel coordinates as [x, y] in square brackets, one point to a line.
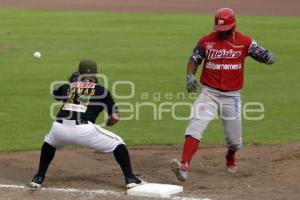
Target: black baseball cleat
[133, 182]
[36, 181]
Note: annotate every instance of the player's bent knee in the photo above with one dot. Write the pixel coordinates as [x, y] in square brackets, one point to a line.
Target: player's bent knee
[194, 134]
[51, 142]
[196, 128]
[120, 147]
[114, 146]
[49, 145]
[188, 135]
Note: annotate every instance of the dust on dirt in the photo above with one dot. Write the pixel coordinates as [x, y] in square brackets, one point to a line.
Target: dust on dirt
[265, 171]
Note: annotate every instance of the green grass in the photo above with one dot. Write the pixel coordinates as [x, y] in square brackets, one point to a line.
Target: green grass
[150, 50]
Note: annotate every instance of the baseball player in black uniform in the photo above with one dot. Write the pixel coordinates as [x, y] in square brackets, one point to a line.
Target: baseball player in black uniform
[83, 99]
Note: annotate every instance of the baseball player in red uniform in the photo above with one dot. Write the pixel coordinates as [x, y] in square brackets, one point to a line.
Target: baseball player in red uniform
[223, 52]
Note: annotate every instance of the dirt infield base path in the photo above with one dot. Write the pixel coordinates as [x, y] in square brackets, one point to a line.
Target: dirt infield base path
[265, 172]
[253, 7]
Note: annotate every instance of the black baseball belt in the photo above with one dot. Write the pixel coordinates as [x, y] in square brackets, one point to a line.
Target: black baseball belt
[77, 122]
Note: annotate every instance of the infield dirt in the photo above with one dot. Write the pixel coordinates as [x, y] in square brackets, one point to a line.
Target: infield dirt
[265, 172]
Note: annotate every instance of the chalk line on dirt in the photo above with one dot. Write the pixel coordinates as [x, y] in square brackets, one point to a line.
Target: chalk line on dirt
[90, 192]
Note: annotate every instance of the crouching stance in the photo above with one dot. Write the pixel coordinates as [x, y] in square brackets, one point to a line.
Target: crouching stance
[83, 99]
[224, 52]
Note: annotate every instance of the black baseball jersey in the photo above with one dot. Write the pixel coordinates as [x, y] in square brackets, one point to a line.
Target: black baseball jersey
[83, 101]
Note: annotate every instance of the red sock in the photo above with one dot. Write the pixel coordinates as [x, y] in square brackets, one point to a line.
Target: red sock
[189, 149]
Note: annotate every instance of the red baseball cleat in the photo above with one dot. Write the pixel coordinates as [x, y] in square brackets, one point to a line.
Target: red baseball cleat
[230, 162]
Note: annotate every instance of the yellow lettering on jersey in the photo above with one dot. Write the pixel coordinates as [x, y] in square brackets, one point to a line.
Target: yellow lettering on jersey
[79, 90]
[86, 91]
[93, 92]
[73, 91]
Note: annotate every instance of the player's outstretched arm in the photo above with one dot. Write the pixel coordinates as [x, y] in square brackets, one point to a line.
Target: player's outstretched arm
[112, 110]
[260, 54]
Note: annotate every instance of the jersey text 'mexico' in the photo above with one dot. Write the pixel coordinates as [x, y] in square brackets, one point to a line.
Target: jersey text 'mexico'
[224, 59]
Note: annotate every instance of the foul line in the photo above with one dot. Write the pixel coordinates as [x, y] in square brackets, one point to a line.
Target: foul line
[89, 192]
[66, 190]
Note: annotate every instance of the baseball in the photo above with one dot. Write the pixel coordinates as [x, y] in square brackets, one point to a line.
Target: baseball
[37, 54]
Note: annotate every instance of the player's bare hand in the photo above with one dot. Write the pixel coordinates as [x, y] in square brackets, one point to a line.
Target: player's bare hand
[191, 83]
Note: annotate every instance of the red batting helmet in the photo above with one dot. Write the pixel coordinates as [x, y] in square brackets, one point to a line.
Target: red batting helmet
[224, 20]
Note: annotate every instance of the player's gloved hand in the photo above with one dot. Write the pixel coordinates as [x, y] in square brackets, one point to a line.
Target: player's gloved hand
[191, 83]
[74, 77]
[113, 119]
[268, 57]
